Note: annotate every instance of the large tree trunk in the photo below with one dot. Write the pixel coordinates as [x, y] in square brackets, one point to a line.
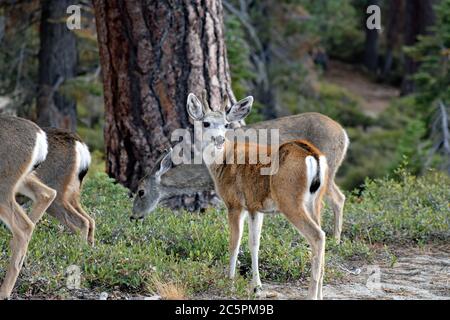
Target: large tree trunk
[57, 64]
[419, 16]
[153, 53]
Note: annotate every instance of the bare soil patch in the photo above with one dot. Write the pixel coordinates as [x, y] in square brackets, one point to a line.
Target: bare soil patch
[375, 97]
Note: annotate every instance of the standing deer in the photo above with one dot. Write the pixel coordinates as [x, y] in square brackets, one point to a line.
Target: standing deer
[65, 167]
[23, 147]
[324, 133]
[299, 200]
[296, 189]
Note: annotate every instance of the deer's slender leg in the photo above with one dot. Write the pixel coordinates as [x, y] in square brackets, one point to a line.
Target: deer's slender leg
[337, 201]
[302, 220]
[236, 219]
[41, 195]
[67, 215]
[255, 221]
[21, 228]
[317, 213]
[77, 206]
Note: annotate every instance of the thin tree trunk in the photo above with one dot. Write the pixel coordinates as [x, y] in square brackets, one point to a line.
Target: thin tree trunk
[153, 54]
[57, 64]
[371, 45]
[394, 18]
[419, 16]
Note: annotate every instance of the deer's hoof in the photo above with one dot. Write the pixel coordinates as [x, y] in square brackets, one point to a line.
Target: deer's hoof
[258, 291]
[4, 296]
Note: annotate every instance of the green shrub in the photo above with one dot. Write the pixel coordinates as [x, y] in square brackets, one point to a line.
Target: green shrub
[413, 209]
[371, 154]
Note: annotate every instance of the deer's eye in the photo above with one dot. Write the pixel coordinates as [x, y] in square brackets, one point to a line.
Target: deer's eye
[206, 124]
[227, 126]
[141, 193]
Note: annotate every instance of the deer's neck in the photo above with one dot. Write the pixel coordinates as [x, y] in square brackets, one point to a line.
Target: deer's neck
[215, 167]
[238, 153]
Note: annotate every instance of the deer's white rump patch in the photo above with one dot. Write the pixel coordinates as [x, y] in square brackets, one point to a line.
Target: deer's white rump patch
[311, 169]
[323, 167]
[314, 168]
[40, 150]
[83, 156]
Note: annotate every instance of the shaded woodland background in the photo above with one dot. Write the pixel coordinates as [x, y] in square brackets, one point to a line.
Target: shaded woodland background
[122, 80]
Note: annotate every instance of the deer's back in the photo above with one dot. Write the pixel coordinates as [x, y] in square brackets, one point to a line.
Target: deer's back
[323, 132]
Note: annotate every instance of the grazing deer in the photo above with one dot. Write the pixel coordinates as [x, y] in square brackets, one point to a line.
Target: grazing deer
[326, 134]
[296, 189]
[66, 165]
[23, 147]
[164, 181]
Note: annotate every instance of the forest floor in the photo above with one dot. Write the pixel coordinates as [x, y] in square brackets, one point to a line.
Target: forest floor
[375, 97]
[396, 248]
[416, 273]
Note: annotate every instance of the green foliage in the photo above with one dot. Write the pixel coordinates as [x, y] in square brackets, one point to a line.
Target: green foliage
[337, 24]
[238, 53]
[399, 113]
[192, 249]
[333, 101]
[342, 106]
[93, 136]
[371, 153]
[411, 209]
[410, 146]
[433, 53]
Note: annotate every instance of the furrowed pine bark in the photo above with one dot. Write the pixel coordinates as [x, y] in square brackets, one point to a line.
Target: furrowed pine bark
[153, 54]
[57, 64]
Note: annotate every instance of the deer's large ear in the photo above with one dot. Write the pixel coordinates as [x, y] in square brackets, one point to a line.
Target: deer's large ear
[166, 164]
[194, 107]
[240, 110]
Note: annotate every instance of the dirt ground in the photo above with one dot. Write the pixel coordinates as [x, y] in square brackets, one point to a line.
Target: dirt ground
[374, 97]
[417, 274]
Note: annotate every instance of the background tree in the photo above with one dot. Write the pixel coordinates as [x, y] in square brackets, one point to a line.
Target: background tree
[57, 64]
[371, 43]
[19, 49]
[294, 56]
[153, 53]
[419, 16]
[394, 21]
[433, 85]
